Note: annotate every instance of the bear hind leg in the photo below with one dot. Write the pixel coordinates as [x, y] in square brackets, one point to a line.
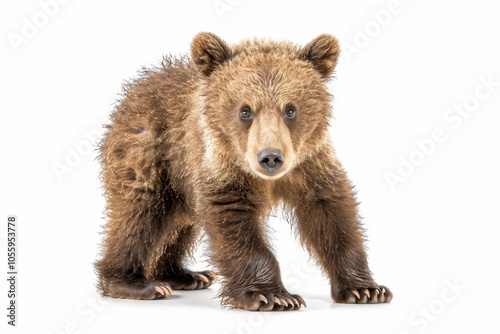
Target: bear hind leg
[171, 267]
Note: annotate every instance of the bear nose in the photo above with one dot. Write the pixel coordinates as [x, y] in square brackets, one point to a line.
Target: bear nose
[271, 159]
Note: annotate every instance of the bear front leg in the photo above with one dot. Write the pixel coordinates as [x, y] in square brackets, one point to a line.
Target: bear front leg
[329, 226]
[250, 272]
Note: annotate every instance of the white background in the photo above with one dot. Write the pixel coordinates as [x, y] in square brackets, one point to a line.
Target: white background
[397, 80]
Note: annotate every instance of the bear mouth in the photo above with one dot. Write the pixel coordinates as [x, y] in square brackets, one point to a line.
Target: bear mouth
[271, 176]
[270, 173]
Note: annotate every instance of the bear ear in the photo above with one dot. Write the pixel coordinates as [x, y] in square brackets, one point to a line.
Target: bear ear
[323, 52]
[209, 51]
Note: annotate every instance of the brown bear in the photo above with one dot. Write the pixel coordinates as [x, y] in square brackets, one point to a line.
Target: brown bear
[215, 142]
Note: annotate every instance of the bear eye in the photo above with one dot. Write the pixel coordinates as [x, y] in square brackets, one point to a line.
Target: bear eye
[290, 112]
[246, 113]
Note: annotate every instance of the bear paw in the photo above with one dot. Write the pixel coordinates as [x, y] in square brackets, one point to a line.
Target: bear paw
[139, 289]
[261, 301]
[376, 295]
[191, 280]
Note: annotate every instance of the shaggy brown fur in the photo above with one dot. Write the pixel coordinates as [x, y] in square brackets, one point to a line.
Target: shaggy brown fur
[217, 142]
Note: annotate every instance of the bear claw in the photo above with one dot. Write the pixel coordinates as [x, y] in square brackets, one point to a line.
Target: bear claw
[376, 295]
[163, 291]
[189, 280]
[266, 302]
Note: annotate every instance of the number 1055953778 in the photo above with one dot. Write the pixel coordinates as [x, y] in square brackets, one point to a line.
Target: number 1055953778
[11, 243]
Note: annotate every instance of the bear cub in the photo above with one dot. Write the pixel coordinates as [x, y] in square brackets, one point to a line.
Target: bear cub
[216, 141]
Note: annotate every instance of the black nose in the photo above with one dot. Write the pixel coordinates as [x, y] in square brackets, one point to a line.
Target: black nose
[271, 159]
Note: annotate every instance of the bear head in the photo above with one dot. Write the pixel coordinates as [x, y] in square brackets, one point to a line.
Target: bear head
[265, 103]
